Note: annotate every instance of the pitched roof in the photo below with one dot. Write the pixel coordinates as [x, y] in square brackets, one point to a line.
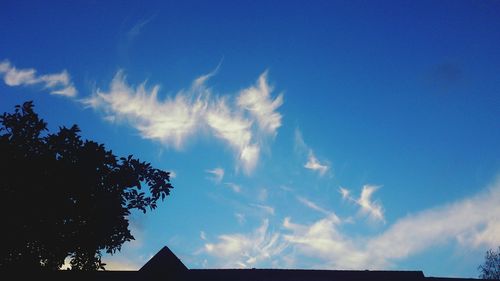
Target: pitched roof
[166, 265]
[164, 262]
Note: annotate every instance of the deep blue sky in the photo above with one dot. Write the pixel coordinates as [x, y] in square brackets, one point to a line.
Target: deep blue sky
[394, 103]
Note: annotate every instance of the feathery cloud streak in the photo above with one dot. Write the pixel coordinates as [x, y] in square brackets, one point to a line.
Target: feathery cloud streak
[217, 174]
[315, 165]
[137, 28]
[257, 100]
[469, 223]
[57, 83]
[234, 187]
[313, 206]
[172, 121]
[246, 250]
[312, 162]
[367, 205]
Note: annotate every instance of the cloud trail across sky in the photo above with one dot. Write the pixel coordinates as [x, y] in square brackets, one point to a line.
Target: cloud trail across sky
[174, 120]
[367, 206]
[56, 83]
[217, 174]
[312, 163]
[467, 223]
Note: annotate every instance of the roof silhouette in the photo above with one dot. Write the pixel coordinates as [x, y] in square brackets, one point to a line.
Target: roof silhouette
[301, 275]
[165, 265]
[164, 262]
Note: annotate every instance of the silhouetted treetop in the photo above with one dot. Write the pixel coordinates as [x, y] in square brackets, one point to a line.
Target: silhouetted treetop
[64, 197]
[490, 269]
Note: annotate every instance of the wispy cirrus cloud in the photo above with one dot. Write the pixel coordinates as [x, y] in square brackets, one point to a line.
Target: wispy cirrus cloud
[240, 218]
[246, 250]
[234, 187]
[324, 240]
[241, 124]
[235, 130]
[268, 210]
[57, 83]
[313, 206]
[373, 208]
[367, 206]
[469, 223]
[217, 174]
[258, 101]
[138, 27]
[346, 194]
[170, 121]
[312, 163]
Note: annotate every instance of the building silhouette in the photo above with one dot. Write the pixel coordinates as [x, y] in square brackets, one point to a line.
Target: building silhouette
[165, 265]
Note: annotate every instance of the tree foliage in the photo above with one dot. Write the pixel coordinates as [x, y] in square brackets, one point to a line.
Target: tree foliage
[64, 197]
[490, 269]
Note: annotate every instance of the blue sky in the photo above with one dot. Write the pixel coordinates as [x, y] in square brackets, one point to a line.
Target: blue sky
[331, 134]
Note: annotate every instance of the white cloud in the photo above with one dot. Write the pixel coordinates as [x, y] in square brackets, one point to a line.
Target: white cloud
[257, 99]
[472, 222]
[367, 206]
[236, 130]
[170, 121]
[203, 236]
[300, 145]
[469, 223]
[53, 80]
[324, 240]
[315, 165]
[267, 209]
[58, 83]
[240, 218]
[312, 162]
[313, 206]
[14, 77]
[122, 265]
[174, 120]
[69, 91]
[249, 157]
[137, 28]
[234, 187]
[374, 209]
[346, 194]
[217, 174]
[246, 250]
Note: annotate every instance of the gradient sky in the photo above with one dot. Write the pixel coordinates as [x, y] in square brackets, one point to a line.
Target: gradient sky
[326, 134]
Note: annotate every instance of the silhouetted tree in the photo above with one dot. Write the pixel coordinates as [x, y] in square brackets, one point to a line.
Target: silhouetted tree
[64, 197]
[490, 269]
